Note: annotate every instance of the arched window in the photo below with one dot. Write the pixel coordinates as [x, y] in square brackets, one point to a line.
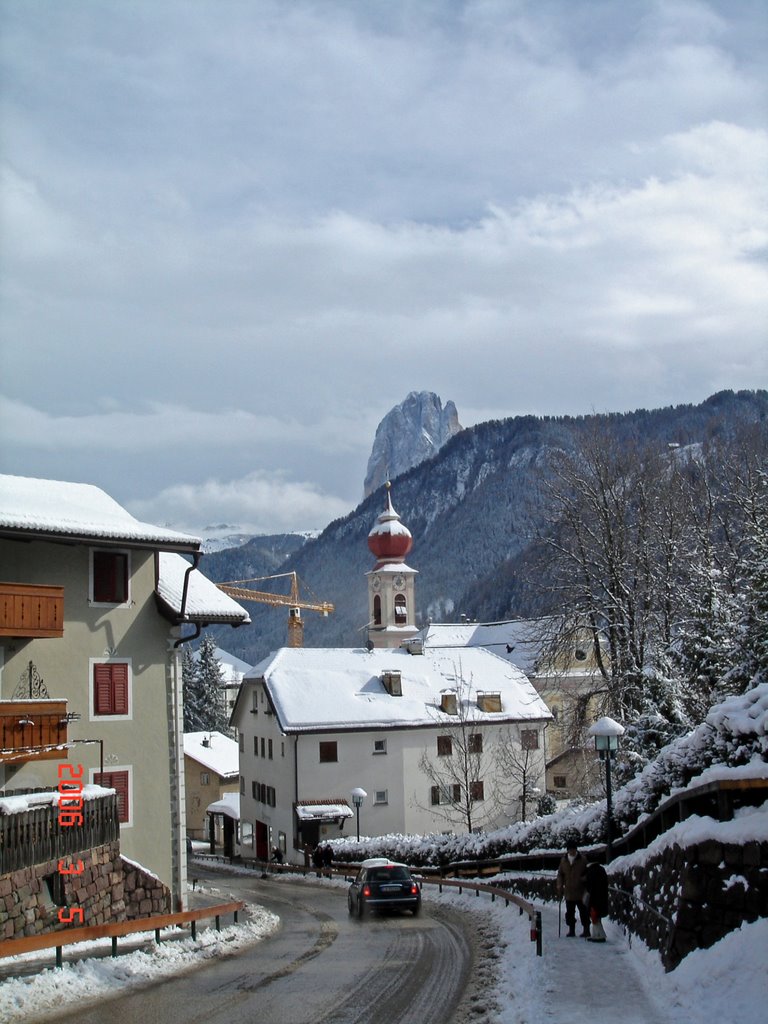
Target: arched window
[377, 610]
[400, 610]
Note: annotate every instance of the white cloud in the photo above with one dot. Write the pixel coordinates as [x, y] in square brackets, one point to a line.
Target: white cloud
[259, 503]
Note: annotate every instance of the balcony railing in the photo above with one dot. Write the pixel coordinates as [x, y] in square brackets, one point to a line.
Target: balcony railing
[32, 730]
[35, 836]
[30, 610]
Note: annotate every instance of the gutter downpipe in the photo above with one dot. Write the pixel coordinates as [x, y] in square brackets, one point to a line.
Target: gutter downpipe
[178, 808]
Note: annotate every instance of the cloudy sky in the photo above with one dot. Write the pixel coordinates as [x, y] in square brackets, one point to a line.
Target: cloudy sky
[235, 233]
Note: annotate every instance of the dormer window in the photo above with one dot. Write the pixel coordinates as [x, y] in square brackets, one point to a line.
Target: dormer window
[489, 702]
[448, 702]
[392, 683]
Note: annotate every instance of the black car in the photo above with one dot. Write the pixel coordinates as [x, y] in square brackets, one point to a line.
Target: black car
[382, 884]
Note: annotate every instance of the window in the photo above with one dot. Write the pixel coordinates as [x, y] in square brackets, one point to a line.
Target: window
[328, 751]
[120, 782]
[271, 796]
[242, 786]
[269, 749]
[241, 742]
[255, 790]
[111, 688]
[205, 778]
[450, 794]
[444, 746]
[109, 577]
[475, 745]
[477, 790]
[377, 610]
[401, 616]
[262, 747]
[529, 739]
[255, 746]
[380, 796]
[379, 746]
[246, 833]
[560, 781]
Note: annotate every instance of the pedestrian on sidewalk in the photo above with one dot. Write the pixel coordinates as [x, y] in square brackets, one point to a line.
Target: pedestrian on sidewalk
[596, 881]
[571, 877]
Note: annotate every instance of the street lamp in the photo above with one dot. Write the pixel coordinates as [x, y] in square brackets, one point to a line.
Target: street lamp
[607, 733]
[358, 795]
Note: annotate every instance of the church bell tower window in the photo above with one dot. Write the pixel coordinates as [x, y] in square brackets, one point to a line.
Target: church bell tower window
[401, 615]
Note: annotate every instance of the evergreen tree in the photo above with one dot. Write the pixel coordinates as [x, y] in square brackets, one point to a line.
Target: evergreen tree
[203, 702]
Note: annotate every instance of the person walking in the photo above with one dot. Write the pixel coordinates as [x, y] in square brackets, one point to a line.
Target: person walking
[571, 884]
[596, 881]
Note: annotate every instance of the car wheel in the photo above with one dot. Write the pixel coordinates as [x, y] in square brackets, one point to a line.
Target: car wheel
[417, 910]
[350, 908]
[362, 908]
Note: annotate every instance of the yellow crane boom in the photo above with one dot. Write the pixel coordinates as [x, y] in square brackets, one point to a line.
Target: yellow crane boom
[291, 601]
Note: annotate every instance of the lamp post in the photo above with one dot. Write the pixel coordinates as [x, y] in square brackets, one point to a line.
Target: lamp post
[607, 733]
[358, 795]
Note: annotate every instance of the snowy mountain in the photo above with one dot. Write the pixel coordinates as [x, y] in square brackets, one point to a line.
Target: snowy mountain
[412, 432]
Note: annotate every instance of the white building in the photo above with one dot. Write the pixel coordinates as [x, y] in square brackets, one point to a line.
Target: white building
[390, 718]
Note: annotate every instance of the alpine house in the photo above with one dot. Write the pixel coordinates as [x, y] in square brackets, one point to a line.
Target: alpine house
[434, 738]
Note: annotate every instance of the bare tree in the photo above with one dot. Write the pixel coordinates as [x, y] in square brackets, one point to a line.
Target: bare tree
[521, 760]
[466, 783]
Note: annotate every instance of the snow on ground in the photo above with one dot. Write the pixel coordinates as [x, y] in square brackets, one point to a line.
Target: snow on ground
[575, 980]
[33, 997]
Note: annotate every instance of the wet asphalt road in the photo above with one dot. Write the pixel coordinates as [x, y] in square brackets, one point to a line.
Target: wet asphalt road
[321, 966]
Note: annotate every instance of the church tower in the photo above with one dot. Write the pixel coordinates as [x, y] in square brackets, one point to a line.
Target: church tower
[391, 605]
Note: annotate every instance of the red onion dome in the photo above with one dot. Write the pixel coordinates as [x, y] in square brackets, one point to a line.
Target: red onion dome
[389, 540]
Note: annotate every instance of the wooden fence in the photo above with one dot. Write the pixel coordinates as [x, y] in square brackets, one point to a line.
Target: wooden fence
[35, 836]
[60, 939]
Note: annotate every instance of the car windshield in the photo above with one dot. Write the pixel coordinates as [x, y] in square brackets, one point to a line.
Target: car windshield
[388, 874]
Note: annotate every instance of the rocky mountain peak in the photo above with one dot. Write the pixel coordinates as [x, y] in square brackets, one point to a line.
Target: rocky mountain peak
[413, 431]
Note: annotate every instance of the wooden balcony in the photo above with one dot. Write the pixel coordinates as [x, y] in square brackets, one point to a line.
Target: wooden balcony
[32, 730]
[29, 610]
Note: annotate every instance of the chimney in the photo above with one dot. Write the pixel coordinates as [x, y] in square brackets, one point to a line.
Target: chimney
[392, 683]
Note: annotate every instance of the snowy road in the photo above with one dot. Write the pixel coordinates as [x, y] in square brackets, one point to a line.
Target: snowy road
[321, 966]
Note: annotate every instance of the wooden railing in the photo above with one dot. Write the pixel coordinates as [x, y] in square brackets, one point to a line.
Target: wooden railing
[33, 730]
[31, 610]
[35, 836]
[60, 939]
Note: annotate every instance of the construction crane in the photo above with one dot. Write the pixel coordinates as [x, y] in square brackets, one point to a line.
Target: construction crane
[290, 601]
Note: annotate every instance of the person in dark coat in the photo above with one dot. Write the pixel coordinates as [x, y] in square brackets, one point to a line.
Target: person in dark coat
[571, 884]
[327, 856]
[596, 881]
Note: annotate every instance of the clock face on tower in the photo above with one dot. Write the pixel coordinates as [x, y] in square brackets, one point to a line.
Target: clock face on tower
[399, 582]
[376, 582]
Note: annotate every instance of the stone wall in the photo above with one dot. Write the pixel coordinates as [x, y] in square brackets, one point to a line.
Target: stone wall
[30, 898]
[144, 893]
[108, 889]
[687, 898]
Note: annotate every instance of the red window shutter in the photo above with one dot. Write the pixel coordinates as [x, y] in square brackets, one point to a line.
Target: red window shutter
[110, 689]
[120, 689]
[119, 782]
[102, 689]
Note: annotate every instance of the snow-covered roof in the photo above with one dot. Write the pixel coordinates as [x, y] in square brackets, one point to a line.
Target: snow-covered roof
[322, 812]
[205, 602]
[213, 750]
[314, 689]
[228, 805]
[44, 508]
[516, 640]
